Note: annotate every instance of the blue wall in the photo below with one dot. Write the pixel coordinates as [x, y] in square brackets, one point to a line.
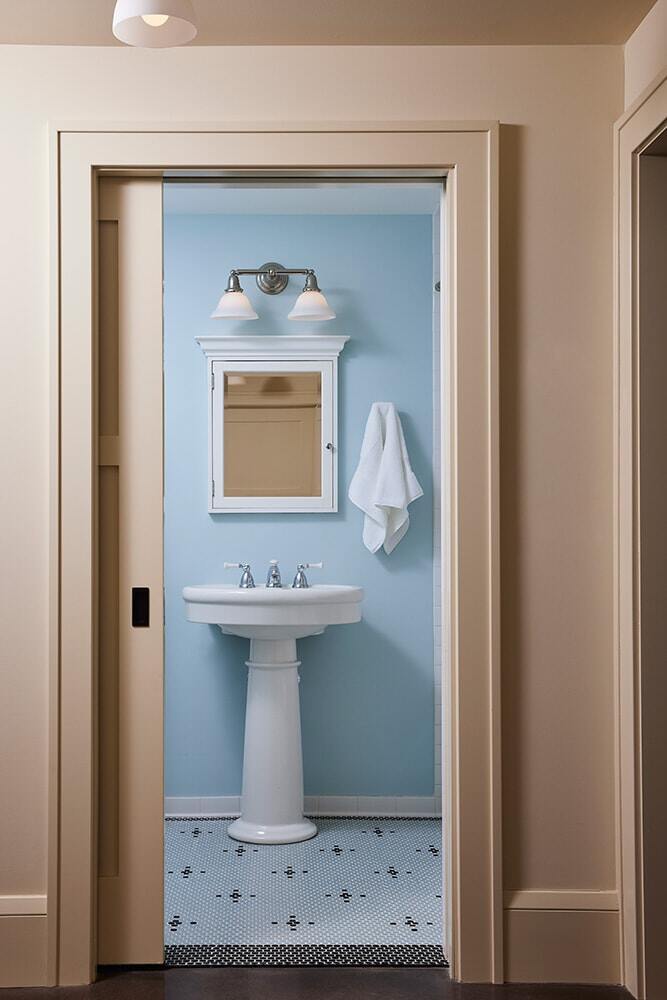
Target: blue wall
[366, 689]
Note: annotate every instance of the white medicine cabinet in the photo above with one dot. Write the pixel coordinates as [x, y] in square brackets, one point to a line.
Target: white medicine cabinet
[273, 423]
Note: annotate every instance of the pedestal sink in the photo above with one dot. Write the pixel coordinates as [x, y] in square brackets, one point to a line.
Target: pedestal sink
[272, 619]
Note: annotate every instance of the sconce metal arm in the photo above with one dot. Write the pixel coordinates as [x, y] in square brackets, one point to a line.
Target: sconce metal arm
[272, 278]
[272, 270]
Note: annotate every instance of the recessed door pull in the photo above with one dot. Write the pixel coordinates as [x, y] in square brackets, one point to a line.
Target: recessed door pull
[141, 607]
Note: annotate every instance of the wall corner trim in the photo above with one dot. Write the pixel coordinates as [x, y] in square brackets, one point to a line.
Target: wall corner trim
[633, 132]
[645, 95]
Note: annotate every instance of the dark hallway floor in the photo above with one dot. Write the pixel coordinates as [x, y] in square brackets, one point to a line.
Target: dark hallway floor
[303, 984]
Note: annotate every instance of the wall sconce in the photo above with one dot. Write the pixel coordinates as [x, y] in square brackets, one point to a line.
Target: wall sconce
[272, 279]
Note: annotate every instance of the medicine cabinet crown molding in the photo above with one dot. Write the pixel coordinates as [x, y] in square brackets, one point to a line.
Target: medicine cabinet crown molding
[305, 347]
[273, 423]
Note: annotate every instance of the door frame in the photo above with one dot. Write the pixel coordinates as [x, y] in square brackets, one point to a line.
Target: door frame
[633, 132]
[467, 155]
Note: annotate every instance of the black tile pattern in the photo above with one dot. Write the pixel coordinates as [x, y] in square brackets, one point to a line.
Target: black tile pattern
[263, 955]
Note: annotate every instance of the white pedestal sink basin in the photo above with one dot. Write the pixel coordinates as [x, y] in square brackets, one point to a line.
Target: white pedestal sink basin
[272, 619]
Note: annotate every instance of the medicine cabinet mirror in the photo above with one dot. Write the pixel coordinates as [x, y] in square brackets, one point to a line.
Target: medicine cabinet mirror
[272, 423]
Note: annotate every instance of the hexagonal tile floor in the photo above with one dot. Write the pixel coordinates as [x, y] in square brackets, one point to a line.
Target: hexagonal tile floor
[364, 891]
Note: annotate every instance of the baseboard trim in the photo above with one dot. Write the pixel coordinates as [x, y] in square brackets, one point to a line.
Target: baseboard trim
[314, 805]
[23, 947]
[22, 906]
[548, 899]
[548, 945]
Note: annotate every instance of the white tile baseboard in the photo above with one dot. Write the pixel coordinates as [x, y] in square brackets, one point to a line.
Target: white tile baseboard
[314, 805]
[208, 805]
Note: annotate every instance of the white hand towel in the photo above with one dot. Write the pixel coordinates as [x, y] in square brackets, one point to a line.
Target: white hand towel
[384, 483]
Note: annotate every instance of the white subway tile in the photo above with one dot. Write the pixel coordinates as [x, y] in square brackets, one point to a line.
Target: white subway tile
[378, 805]
[415, 805]
[182, 806]
[342, 804]
[225, 804]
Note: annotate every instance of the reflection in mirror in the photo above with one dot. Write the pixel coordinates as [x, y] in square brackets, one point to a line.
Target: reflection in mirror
[272, 434]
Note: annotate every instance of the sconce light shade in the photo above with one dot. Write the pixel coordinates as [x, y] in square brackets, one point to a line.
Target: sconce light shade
[234, 305]
[154, 24]
[313, 306]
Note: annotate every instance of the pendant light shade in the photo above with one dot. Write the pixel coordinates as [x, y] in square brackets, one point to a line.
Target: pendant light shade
[311, 305]
[234, 303]
[154, 24]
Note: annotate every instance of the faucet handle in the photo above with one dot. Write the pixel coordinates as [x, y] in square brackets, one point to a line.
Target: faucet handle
[247, 582]
[300, 581]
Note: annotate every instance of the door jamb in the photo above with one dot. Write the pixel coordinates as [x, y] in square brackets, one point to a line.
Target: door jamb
[633, 132]
[470, 343]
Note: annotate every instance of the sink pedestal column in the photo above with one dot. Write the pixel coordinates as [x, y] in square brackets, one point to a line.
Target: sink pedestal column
[272, 797]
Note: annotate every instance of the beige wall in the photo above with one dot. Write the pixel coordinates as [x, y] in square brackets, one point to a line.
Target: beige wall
[646, 52]
[557, 106]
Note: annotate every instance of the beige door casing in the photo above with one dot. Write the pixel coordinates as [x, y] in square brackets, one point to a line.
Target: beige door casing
[467, 154]
[634, 132]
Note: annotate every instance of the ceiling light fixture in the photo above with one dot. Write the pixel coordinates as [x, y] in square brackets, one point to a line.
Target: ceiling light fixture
[154, 24]
[272, 279]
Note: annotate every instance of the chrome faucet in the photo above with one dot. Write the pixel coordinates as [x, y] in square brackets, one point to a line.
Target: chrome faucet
[300, 580]
[273, 576]
[247, 582]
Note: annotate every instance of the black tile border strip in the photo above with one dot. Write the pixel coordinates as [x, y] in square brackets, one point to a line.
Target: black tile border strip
[220, 816]
[270, 955]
